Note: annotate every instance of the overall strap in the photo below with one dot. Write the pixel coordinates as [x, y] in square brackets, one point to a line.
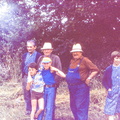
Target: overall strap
[80, 61]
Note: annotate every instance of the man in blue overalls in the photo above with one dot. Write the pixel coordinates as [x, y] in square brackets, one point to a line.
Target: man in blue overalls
[80, 72]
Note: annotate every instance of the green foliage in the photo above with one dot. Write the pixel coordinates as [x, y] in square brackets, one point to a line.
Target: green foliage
[93, 23]
[10, 62]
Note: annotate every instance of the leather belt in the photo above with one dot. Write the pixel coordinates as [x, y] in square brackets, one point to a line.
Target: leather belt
[72, 84]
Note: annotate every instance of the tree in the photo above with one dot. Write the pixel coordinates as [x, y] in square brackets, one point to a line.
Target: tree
[93, 23]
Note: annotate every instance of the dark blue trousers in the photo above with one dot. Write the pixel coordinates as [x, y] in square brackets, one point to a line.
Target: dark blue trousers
[79, 101]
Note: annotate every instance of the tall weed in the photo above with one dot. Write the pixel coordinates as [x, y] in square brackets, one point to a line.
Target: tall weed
[10, 62]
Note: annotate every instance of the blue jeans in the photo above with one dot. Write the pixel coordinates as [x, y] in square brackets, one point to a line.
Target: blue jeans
[79, 101]
[49, 98]
[27, 94]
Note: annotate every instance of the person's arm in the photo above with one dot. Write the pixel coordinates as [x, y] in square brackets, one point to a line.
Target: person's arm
[29, 81]
[57, 64]
[58, 72]
[28, 85]
[37, 56]
[106, 80]
[87, 81]
[93, 70]
[22, 63]
[39, 61]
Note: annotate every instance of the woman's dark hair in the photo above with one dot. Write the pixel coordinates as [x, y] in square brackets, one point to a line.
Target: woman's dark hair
[33, 65]
[115, 54]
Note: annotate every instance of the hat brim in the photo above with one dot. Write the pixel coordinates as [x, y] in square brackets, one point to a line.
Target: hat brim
[76, 51]
[46, 48]
[46, 61]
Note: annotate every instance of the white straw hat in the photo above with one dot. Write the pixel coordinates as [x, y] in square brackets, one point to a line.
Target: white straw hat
[47, 45]
[76, 48]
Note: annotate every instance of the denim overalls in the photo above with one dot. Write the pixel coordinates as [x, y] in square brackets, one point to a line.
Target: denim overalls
[79, 94]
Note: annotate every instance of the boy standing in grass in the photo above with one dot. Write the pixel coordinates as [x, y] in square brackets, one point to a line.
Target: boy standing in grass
[48, 74]
[35, 83]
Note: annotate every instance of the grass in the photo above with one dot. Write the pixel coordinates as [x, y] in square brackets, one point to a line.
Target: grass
[12, 103]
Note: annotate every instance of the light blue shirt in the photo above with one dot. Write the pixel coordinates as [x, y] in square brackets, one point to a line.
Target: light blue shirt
[30, 58]
[37, 82]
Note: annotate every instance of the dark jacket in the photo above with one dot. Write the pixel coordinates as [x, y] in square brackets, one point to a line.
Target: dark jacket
[107, 80]
[23, 61]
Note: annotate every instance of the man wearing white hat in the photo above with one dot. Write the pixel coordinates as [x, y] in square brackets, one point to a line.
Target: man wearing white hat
[80, 72]
[49, 95]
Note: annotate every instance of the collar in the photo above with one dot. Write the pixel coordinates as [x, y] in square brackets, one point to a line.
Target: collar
[78, 58]
[47, 56]
[32, 53]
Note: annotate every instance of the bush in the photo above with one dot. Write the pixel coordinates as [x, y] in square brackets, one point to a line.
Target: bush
[10, 62]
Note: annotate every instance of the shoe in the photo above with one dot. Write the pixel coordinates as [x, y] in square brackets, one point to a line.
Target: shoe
[28, 112]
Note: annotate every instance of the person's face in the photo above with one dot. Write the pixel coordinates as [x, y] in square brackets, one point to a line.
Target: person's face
[77, 55]
[47, 65]
[116, 60]
[47, 52]
[32, 71]
[30, 47]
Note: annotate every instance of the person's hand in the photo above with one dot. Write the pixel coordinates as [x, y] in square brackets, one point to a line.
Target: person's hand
[106, 92]
[87, 82]
[28, 86]
[109, 89]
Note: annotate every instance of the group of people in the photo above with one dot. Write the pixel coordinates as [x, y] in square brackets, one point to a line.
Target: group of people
[41, 74]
